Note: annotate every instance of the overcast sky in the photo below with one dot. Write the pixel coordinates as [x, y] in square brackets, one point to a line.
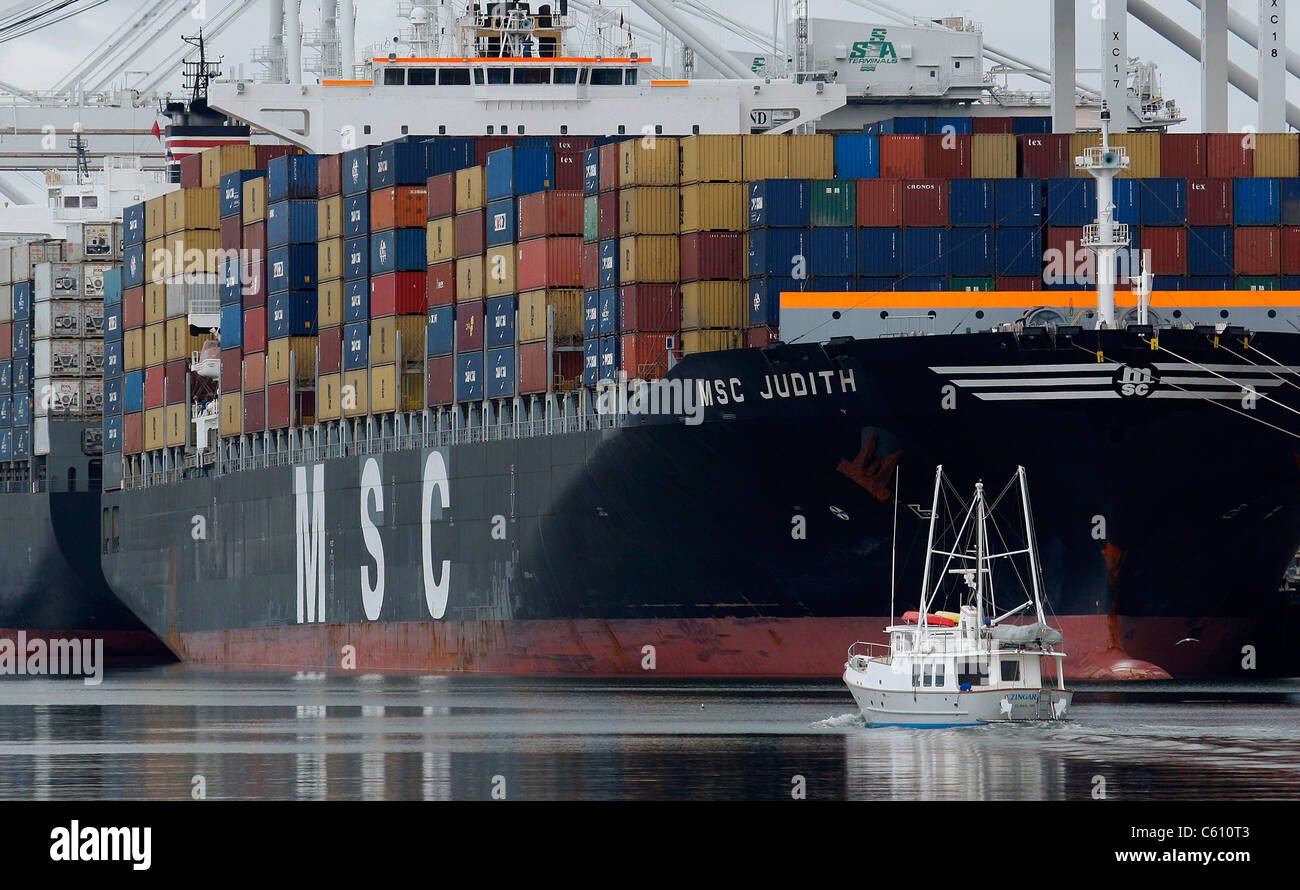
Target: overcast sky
[1016, 26]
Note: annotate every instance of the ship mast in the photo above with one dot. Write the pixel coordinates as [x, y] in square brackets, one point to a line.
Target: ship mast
[1105, 237]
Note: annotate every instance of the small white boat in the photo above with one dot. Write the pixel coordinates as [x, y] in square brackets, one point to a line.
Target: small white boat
[968, 667]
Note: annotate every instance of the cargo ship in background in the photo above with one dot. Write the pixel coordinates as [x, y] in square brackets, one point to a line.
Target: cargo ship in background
[405, 456]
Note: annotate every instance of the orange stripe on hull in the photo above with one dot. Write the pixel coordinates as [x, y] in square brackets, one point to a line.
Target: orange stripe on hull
[1028, 299]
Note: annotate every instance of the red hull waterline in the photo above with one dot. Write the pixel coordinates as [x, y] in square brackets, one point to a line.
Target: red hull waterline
[732, 647]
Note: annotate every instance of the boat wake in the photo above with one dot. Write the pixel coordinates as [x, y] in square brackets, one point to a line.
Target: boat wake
[843, 721]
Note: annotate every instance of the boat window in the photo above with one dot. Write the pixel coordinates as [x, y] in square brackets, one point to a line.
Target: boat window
[532, 75]
[926, 674]
[916, 673]
[394, 77]
[1010, 671]
[629, 76]
[972, 671]
[478, 75]
[498, 75]
[606, 77]
[422, 77]
[453, 77]
[566, 75]
[938, 674]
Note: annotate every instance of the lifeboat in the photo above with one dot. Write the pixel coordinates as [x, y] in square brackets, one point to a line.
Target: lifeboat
[938, 620]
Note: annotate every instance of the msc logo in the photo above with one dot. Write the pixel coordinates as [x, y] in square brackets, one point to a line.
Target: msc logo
[1136, 382]
[873, 52]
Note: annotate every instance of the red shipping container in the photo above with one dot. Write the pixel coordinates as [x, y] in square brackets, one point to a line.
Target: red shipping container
[329, 351]
[550, 213]
[253, 294]
[399, 207]
[992, 125]
[255, 329]
[176, 371]
[645, 355]
[534, 367]
[573, 143]
[1209, 202]
[265, 153]
[1165, 249]
[232, 369]
[1182, 155]
[192, 171]
[254, 371]
[232, 233]
[329, 175]
[255, 238]
[469, 326]
[609, 164]
[1065, 256]
[441, 197]
[132, 308]
[761, 337]
[1229, 155]
[277, 405]
[1017, 283]
[925, 202]
[711, 256]
[133, 432]
[568, 368]
[471, 233]
[1257, 250]
[154, 380]
[1291, 250]
[254, 412]
[548, 262]
[397, 293]
[880, 203]
[440, 285]
[902, 157]
[650, 307]
[1045, 156]
[6, 340]
[590, 266]
[947, 156]
[568, 169]
[483, 145]
[439, 381]
[607, 216]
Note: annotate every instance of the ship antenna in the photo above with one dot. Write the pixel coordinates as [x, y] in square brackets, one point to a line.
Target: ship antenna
[893, 557]
[1105, 236]
[929, 548]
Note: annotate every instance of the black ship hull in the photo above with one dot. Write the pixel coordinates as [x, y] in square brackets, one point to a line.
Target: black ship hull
[758, 541]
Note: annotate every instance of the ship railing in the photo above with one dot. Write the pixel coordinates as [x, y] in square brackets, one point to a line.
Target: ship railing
[870, 651]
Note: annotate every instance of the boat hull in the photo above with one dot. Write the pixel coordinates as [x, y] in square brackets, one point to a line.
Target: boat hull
[937, 709]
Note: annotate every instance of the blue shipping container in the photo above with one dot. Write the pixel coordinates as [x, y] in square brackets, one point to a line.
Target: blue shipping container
[880, 251]
[913, 126]
[133, 225]
[591, 314]
[970, 202]
[500, 222]
[519, 171]
[447, 154]
[1209, 251]
[440, 330]
[765, 298]
[398, 250]
[291, 176]
[22, 442]
[399, 163]
[231, 287]
[591, 171]
[356, 300]
[232, 326]
[1031, 125]
[290, 222]
[113, 433]
[356, 258]
[923, 283]
[857, 156]
[1071, 202]
[954, 126]
[608, 264]
[609, 311]
[290, 313]
[22, 408]
[1256, 202]
[113, 286]
[970, 251]
[776, 251]
[1290, 201]
[609, 358]
[1210, 282]
[6, 444]
[827, 284]
[6, 377]
[1128, 201]
[133, 392]
[113, 396]
[22, 374]
[356, 171]
[133, 267]
[1168, 282]
[1016, 202]
[503, 379]
[469, 377]
[779, 202]
[7, 410]
[834, 252]
[356, 345]
[356, 215]
[22, 341]
[925, 251]
[290, 268]
[113, 324]
[1291, 282]
[113, 366]
[1164, 201]
[500, 321]
[590, 361]
[1019, 252]
[232, 190]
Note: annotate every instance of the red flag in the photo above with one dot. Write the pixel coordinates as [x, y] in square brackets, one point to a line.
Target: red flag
[157, 133]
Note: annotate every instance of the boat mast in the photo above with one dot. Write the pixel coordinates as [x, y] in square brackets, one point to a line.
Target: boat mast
[893, 557]
[980, 555]
[1105, 237]
[929, 548]
[1031, 544]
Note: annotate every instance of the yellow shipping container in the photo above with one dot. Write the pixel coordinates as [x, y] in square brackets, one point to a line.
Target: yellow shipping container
[329, 304]
[284, 353]
[441, 235]
[388, 393]
[253, 205]
[190, 251]
[714, 207]
[711, 341]
[155, 344]
[155, 429]
[499, 270]
[469, 279]
[384, 334]
[766, 157]
[329, 217]
[355, 397]
[653, 160]
[155, 302]
[178, 339]
[232, 413]
[223, 159]
[1277, 155]
[469, 189]
[812, 156]
[714, 304]
[155, 217]
[712, 159]
[133, 349]
[648, 259]
[193, 209]
[329, 259]
[328, 402]
[648, 210]
[993, 156]
[177, 426]
[567, 327]
[157, 262]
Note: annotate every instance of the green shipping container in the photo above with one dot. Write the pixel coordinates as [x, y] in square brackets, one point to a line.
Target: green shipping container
[1258, 282]
[590, 218]
[834, 202]
[971, 284]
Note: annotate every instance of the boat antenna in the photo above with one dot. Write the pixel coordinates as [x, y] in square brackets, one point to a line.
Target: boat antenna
[1031, 545]
[929, 547]
[1105, 237]
[893, 557]
[980, 554]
